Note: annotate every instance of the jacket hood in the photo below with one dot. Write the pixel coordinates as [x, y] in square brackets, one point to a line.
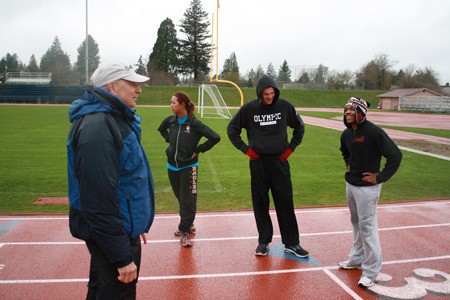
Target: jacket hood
[266, 81]
[98, 100]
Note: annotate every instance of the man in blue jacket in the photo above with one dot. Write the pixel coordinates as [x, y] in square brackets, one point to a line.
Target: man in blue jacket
[111, 191]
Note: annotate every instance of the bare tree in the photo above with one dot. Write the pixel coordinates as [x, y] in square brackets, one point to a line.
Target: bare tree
[376, 74]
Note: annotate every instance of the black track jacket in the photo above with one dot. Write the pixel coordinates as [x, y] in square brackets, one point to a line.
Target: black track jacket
[183, 140]
[362, 150]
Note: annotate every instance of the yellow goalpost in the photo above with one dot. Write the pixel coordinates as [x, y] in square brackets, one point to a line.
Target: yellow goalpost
[215, 53]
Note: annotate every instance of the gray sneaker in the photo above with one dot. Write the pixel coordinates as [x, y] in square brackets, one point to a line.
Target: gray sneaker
[185, 240]
[365, 281]
[346, 265]
[262, 250]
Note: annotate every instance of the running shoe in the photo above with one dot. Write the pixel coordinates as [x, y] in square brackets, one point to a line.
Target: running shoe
[191, 230]
[185, 240]
[296, 250]
[365, 281]
[262, 250]
[346, 265]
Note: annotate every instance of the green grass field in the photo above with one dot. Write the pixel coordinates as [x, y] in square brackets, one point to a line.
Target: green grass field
[298, 97]
[33, 165]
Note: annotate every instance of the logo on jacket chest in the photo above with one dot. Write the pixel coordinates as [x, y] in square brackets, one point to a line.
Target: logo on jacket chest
[265, 120]
[359, 139]
[187, 129]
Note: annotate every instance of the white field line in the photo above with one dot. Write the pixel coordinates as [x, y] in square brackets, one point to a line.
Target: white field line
[213, 172]
[222, 275]
[425, 153]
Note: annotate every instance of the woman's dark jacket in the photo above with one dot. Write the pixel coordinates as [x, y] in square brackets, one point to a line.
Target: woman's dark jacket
[184, 140]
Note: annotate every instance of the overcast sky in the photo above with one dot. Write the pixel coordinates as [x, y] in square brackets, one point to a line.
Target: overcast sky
[340, 34]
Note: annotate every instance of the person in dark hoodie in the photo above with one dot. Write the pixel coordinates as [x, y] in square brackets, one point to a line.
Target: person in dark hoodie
[183, 132]
[265, 120]
[110, 183]
[362, 146]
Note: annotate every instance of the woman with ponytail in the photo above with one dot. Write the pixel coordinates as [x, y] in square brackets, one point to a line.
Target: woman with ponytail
[183, 132]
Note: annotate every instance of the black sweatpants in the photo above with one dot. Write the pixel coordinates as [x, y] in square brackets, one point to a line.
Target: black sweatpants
[184, 185]
[269, 173]
[103, 283]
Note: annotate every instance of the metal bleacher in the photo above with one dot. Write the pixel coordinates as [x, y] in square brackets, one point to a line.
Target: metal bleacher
[71, 93]
[27, 93]
[29, 87]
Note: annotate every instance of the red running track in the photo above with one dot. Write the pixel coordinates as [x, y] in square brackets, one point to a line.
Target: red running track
[40, 260]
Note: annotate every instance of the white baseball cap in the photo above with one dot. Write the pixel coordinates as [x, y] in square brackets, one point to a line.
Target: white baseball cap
[110, 72]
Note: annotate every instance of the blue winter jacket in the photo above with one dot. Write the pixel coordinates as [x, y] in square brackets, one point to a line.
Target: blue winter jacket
[111, 190]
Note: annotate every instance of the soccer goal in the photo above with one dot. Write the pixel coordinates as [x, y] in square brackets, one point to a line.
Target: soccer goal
[211, 103]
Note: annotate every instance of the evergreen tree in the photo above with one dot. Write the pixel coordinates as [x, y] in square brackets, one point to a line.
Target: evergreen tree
[33, 65]
[284, 74]
[195, 50]
[93, 58]
[141, 68]
[271, 71]
[258, 73]
[57, 62]
[230, 69]
[164, 56]
[320, 74]
[251, 77]
[304, 78]
[10, 63]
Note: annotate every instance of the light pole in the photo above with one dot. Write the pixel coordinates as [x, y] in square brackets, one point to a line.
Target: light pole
[87, 46]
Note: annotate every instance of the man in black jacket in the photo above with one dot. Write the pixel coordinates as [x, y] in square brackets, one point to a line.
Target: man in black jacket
[362, 146]
[265, 120]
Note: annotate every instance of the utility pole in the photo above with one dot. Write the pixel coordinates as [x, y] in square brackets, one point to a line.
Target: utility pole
[87, 46]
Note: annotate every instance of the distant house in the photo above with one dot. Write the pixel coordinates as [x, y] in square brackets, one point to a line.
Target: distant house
[391, 99]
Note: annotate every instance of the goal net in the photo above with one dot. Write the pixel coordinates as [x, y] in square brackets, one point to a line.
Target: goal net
[211, 103]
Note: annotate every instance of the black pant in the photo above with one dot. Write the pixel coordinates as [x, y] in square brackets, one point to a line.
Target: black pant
[184, 185]
[103, 282]
[269, 173]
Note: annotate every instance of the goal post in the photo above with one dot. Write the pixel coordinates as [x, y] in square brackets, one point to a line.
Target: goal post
[211, 103]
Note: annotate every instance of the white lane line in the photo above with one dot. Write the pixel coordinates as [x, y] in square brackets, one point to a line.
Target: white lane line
[234, 238]
[342, 285]
[222, 275]
[414, 260]
[383, 205]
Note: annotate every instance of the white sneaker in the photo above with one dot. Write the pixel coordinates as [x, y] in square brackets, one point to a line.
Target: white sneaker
[346, 265]
[366, 281]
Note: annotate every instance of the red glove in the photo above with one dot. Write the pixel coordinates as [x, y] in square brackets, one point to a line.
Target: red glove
[286, 154]
[252, 154]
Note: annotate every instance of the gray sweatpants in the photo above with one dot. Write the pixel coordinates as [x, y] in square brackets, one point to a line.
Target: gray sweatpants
[366, 251]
